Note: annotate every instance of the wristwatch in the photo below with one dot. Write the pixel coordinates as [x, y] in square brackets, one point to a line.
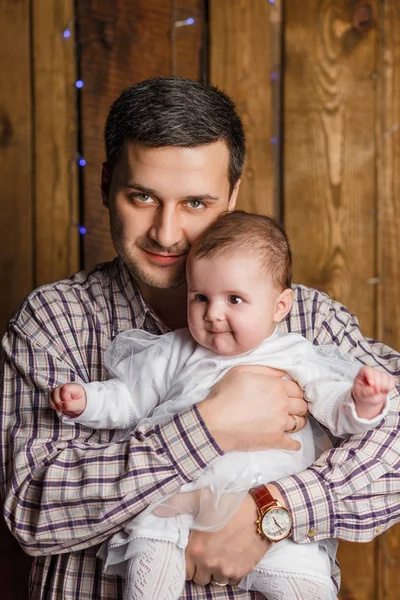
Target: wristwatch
[274, 521]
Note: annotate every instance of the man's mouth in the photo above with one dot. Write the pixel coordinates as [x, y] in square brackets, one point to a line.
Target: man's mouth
[164, 259]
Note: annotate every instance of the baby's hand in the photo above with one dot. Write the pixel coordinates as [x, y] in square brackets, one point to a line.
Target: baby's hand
[68, 399]
[371, 386]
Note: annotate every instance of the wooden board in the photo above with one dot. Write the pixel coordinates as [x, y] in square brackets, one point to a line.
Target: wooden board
[122, 43]
[244, 62]
[388, 191]
[16, 163]
[55, 141]
[16, 218]
[330, 182]
[329, 153]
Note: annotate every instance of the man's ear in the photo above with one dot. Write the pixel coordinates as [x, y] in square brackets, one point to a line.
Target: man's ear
[234, 195]
[283, 305]
[105, 184]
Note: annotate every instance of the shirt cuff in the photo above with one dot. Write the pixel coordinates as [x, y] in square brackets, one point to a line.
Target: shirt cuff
[310, 504]
[189, 443]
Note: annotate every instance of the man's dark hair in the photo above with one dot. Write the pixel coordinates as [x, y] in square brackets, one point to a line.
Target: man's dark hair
[172, 111]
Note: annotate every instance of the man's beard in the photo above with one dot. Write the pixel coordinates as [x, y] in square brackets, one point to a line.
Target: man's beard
[134, 264]
[161, 283]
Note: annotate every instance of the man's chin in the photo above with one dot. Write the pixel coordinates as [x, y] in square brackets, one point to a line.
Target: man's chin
[157, 283]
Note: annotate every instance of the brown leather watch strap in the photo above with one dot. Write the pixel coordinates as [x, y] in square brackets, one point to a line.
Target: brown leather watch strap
[263, 497]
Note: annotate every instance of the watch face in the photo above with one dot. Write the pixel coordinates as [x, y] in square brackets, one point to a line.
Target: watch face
[276, 524]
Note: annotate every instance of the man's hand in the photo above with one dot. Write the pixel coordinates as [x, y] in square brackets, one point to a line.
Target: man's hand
[68, 399]
[229, 554]
[250, 408]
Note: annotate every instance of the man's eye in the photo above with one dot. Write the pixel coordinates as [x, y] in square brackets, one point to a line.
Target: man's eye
[196, 204]
[200, 298]
[235, 300]
[145, 198]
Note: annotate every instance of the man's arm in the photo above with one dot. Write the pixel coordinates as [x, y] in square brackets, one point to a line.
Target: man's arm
[66, 488]
[333, 498]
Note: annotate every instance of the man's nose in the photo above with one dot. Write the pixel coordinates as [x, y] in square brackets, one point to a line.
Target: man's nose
[166, 229]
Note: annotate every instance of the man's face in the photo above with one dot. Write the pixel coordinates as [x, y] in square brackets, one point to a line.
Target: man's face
[160, 200]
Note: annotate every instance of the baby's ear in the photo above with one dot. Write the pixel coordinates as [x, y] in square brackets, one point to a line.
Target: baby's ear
[283, 305]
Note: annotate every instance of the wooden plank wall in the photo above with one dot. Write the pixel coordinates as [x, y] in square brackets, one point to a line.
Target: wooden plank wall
[340, 170]
[122, 43]
[38, 183]
[16, 159]
[38, 189]
[245, 67]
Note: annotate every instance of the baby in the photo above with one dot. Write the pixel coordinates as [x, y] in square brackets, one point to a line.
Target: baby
[239, 290]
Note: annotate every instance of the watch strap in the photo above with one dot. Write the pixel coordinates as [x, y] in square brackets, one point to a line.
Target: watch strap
[263, 498]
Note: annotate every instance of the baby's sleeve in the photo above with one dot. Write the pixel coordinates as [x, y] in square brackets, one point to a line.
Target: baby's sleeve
[327, 378]
[141, 369]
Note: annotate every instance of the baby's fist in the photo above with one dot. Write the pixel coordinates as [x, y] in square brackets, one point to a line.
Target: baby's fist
[68, 399]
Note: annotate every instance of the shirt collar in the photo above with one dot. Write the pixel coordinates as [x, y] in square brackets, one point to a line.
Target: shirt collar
[144, 316]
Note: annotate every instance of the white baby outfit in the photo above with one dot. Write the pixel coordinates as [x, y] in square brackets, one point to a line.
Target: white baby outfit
[155, 377]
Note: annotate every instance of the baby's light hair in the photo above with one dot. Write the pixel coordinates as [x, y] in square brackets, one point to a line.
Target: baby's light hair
[242, 233]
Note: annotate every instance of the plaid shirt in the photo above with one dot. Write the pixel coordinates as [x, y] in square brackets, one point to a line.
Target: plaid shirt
[68, 489]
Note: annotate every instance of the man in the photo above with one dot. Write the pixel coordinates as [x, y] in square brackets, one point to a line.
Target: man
[175, 152]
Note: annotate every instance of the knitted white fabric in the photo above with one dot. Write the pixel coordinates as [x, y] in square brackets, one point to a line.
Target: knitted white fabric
[288, 586]
[156, 571]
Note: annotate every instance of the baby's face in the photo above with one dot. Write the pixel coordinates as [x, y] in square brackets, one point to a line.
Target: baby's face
[232, 303]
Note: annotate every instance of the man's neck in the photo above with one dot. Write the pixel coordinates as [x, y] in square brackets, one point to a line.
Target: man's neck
[169, 305]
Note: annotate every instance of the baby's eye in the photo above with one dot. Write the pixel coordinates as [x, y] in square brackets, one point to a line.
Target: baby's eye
[200, 298]
[235, 300]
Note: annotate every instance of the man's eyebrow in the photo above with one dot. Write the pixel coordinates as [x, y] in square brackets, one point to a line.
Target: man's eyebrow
[202, 197]
[141, 188]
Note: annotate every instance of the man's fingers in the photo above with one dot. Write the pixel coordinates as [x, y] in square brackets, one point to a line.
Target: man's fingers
[190, 568]
[202, 577]
[292, 389]
[297, 406]
[289, 443]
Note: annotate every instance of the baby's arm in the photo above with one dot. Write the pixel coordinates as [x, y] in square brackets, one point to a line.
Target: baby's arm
[99, 404]
[370, 389]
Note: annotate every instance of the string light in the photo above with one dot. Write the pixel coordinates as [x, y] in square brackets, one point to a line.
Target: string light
[79, 84]
[189, 21]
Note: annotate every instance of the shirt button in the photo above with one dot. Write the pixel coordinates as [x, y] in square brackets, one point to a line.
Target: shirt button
[312, 533]
[378, 529]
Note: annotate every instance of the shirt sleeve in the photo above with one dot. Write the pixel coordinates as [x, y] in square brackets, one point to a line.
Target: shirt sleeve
[68, 488]
[352, 492]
